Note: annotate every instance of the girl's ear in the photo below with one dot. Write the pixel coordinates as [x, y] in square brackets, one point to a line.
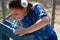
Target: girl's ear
[25, 9]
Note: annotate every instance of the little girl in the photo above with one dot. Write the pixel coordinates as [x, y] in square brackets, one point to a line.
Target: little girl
[34, 20]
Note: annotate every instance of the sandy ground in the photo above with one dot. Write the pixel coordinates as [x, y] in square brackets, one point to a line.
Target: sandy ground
[57, 29]
[57, 22]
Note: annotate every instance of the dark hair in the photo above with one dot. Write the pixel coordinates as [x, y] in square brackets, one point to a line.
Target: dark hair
[17, 4]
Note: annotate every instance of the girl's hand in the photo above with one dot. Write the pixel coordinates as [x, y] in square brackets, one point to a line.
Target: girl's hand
[21, 31]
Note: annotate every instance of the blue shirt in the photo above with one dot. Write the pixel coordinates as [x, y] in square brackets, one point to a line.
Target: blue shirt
[32, 17]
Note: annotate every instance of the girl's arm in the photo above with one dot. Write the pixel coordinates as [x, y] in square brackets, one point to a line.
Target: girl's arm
[38, 25]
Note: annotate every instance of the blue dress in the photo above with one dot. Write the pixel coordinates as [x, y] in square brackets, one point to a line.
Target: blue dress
[45, 33]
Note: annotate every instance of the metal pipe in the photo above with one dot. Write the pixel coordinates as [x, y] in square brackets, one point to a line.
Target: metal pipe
[3, 9]
[53, 12]
[8, 16]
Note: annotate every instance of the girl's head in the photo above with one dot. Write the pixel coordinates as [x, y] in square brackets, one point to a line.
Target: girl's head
[19, 9]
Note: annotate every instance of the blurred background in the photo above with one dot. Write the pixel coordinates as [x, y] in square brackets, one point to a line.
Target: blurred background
[52, 7]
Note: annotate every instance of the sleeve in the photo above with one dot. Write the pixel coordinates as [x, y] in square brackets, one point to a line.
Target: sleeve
[39, 12]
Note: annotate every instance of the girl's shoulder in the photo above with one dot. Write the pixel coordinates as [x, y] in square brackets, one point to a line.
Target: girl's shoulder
[36, 5]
